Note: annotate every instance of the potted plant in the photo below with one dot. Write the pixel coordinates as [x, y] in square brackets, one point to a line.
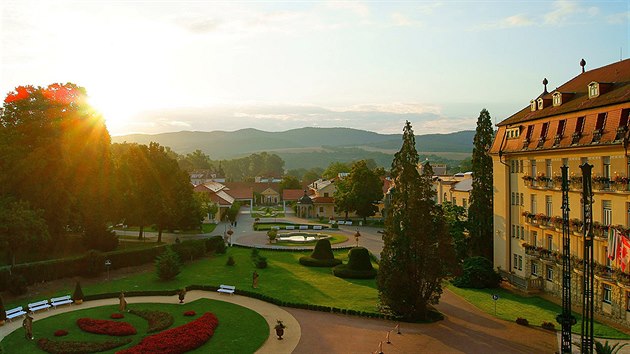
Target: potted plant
[280, 329]
[77, 296]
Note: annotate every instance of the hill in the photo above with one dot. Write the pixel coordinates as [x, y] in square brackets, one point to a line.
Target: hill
[305, 147]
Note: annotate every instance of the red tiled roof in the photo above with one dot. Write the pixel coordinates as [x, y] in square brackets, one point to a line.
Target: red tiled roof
[240, 193]
[618, 74]
[292, 194]
[217, 199]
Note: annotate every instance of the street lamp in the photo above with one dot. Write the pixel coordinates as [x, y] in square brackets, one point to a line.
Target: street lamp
[108, 264]
[356, 237]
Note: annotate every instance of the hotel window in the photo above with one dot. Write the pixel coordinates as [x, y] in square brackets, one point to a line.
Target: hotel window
[514, 231]
[579, 127]
[465, 203]
[548, 172]
[543, 134]
[549, 273]
[607, 293]
[512, 199]
[520, 166]
[520, 262]
[565, 161]
[522, 200]
[533, 203]
[606, 212]
[321, 209]
[593, 90]
[599, 127]
[623, 124]
[534, 268]
[534, 238]
[606, 170]
[532, 105]
[515, 261]
[518, 201]
[522, 233]
[549, 242]
[534, 171]
[548, 206]
[454, 201]
[512, 166]
[326, 194]
[557, 99]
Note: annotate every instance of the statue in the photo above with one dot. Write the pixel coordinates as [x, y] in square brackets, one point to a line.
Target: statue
[28, 326]
[182, 295]
[255, 280]
[123, 303]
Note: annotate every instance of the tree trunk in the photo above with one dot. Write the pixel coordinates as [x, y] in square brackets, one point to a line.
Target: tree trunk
[346, 215]
[159, 234]
[140, 235]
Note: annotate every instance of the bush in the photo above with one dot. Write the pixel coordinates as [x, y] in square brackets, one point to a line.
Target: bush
[522, 321]
[100, 238]
[334, 226]
[215, 244]
[3, 314]
[548, 325]
[167, 264]
[78, 292]
[272, 234]
[191, 249]
[313, 262]
[359, 265]
[323, 250]
[230, 261]
[93, 263]
[17, 285]
[261, 262]
[478, 273]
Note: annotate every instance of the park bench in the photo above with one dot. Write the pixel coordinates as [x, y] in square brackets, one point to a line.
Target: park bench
[303, 227]
[290, 227]
[340, 222]
[226, 289]
[16, 312]
[317, 227]
[39, 305]
[348, 222]
[62, 300]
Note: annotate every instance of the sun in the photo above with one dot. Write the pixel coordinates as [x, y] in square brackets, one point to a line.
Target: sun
[116, 113]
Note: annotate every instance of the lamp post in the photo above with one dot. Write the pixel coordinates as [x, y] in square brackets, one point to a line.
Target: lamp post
[108, 264]
[356, 237]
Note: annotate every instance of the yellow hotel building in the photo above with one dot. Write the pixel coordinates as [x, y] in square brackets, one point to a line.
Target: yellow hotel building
[583, 120]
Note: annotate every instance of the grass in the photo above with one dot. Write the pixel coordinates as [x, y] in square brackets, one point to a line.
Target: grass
[534, 309]
[284, 279]
[234, 322]
[205, 229]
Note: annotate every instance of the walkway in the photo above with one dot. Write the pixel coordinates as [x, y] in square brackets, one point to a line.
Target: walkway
[270, 312]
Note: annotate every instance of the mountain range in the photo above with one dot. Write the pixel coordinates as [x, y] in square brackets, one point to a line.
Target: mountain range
[308, 147]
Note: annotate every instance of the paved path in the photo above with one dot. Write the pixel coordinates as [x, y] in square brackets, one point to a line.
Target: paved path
[270, 312]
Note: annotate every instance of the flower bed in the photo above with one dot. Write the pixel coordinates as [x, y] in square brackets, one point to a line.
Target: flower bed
[189, 313]
[179, 339]
[117, 316]
[61, 333]
[59, 347]
[158, 320]
[111, 328]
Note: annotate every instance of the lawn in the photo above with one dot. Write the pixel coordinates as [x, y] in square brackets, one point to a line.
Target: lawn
[534, 309]
[234, 321]
[205, 229]
[284, 279]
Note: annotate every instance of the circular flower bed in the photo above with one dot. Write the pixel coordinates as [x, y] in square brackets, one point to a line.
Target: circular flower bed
[179, 339]
[111, 328]
[61, 333]
[189, 313]
[117, 316]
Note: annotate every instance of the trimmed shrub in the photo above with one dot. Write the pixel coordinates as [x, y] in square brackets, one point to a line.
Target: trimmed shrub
[215, 244]
[522, 321]
[358, 267]
[17, 285]
[230, 261]
[167, 264]
[322, 256]
[78, 292]
[261, 262]
[478, 273]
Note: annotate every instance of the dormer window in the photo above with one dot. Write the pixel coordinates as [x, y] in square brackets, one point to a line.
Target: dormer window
[593, 89]
[532, 105]
[513, 133]
[541, 103]
[557, 99]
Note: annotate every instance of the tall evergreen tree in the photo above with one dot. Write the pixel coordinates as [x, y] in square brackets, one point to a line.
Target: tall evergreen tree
[418, 250]
[480, 218]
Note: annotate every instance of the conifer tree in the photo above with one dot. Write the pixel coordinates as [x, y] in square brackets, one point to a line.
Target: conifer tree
[480, 217]
[418, 251]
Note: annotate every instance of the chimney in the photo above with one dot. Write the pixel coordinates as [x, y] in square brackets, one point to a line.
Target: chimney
[545, 82]
[582, 64]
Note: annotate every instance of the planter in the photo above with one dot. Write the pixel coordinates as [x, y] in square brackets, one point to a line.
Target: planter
[78, 302]
[279, 333]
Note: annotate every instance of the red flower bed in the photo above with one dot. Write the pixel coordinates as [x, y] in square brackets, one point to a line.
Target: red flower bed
[117, 316]
[61, 333]
[111, 328]
[179, 339]
[189, 313]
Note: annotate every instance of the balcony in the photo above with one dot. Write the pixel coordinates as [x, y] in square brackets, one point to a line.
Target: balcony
[621, 133]
[575, 138]
[597, 136]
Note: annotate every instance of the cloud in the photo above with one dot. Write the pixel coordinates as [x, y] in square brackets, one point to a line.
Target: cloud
[356, 7]
[619, 18]
[401, 20]
[563, 9]
[519, 20]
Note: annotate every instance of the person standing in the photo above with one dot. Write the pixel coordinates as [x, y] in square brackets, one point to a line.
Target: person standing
[28, 326]
[122, 305]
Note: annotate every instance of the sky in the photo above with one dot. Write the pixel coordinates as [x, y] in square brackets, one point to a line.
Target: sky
[163, 66]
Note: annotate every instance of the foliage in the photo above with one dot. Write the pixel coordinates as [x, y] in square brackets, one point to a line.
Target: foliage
[480, 212]
[230, 261]
[93, 263]
[167, 264]
[110, 328]
[158, 320]
[289, 182]
[262, 164]
[98, 237]
[17, 284]
[359, 265]
[607, 349]
[272, 234]
[216, 244]
[478, 273]
[78, 292]
[232, 212]
[56, 347]
[190, 249]
[334, 169]
[322, 256]
[22, 229]
[418, 251]
[3, 314]
[366, 189]
[522, 321]
[456, 219]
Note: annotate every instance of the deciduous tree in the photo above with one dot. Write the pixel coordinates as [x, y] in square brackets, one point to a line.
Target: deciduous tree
[366, 189]
[418, 250]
